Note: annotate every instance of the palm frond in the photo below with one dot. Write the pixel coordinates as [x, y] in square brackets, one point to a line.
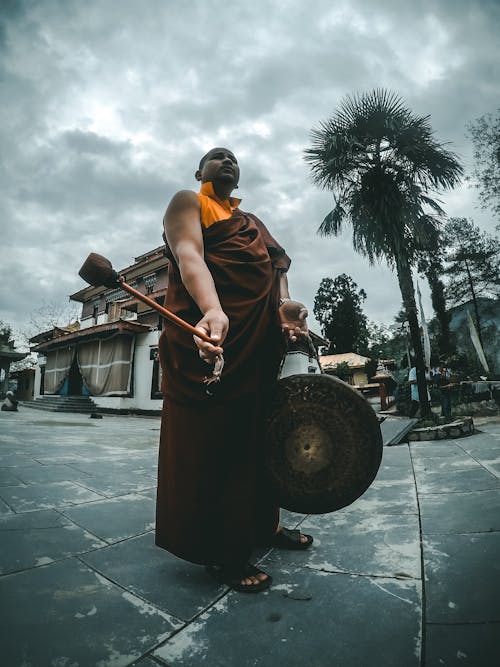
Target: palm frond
[432, 203]
[332, 224]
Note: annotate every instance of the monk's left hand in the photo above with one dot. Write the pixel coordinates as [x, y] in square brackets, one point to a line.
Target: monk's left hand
[293, 316]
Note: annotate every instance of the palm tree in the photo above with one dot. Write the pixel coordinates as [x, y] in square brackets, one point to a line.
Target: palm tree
[384, 167]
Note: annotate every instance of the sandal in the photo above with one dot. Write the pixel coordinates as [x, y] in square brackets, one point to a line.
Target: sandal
[232, 576]
[290, 539]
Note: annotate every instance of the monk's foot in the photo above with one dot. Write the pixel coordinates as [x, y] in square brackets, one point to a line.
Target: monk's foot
[291, 539]
[244, 579]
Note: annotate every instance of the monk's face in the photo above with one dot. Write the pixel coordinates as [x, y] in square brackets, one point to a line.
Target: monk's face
[219, 164]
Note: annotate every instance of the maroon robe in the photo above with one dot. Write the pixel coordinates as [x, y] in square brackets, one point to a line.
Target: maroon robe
[212, 502]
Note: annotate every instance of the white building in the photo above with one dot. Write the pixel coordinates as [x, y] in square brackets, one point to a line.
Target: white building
[111, 354]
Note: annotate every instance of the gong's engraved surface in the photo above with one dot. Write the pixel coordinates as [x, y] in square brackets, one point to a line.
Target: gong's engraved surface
[323, 446]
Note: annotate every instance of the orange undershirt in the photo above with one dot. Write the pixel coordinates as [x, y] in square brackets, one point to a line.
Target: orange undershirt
[214, 209]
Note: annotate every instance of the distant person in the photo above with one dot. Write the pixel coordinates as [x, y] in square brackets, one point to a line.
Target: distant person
[412, 379]
[9, 403]
[441, 377]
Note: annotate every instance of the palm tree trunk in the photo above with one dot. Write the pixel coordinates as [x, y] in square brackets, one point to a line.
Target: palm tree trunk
[408, 293]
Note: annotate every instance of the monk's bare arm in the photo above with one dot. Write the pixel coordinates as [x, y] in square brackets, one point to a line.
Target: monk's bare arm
[284, 293]
[184, 236]
[293, 314]
[185, 239]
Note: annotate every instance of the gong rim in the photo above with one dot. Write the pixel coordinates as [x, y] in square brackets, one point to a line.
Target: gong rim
[323, 444]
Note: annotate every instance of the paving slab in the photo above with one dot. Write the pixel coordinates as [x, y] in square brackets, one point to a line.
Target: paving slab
[493, 428]
[12, 460]
[104, 466]
[38, 538]
[384, 545]
[29, 520]
[9, 478]
[6, 438]
[4, 508]
[436, 463]
[396, 456]
[45, 496]
[146, 662]
[119, 483]
[67, 614]
[493, 467]
[475, 479]
[485, 455]
[401, 474]
[443, 448]
[150, 493]
[174, 585]
[462, 578]
[58, 457]
[473, 512]
[39, 474]
[307, 618]
[386, 498]
[462, 645]
[115, 519]
[482, 445]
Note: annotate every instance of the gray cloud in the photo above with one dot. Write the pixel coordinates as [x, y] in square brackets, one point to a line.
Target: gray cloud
[107, 108]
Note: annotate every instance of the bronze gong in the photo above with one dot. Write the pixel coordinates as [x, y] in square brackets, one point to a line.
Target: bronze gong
[323, 444]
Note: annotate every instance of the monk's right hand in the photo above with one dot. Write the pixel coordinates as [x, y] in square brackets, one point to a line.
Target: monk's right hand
[215, 323]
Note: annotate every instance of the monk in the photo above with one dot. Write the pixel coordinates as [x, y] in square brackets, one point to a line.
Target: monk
[227, 274]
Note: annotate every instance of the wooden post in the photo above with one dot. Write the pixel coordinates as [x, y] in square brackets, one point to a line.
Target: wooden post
[383, 396]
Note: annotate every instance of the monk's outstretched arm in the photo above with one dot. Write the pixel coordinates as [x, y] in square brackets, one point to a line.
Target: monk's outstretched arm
[184, 236]
[293, 314]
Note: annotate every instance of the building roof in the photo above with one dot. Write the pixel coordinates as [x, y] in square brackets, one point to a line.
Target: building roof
[10, 354]
[55, 332]
[331, 361]
[97, 331]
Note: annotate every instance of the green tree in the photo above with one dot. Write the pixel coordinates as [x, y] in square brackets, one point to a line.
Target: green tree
[485, 135]
[342, 371]
[472, 264]
[431, 265]
[384, 166]
[338, 309]
[5, 333]
[388, 342]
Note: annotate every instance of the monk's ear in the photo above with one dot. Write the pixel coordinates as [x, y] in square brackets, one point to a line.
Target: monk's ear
[197, 175]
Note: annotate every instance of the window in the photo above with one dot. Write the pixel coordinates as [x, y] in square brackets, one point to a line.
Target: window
[150, 282]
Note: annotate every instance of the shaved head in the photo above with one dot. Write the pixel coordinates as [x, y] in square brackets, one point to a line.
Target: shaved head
[211, 152]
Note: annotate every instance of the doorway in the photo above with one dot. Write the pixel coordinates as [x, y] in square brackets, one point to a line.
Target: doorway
[75, 381]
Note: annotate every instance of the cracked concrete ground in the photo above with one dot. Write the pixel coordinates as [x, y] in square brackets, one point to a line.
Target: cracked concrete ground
[82, 584]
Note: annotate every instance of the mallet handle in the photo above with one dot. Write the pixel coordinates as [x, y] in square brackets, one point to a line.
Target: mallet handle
[163, 311]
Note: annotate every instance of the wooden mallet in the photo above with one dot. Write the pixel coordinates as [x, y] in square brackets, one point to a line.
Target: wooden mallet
[98, 271]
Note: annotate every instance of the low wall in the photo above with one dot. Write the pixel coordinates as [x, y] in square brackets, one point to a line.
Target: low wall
[457, 429]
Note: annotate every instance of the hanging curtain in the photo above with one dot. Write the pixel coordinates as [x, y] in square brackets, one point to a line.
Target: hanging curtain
[106, 365]
[57, 368]
[477, 343]
[425, 331]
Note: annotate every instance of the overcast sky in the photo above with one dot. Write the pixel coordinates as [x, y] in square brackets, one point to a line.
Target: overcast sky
[107, 107]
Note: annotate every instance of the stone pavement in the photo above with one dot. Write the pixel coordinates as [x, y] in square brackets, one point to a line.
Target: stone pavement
[82, 583]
